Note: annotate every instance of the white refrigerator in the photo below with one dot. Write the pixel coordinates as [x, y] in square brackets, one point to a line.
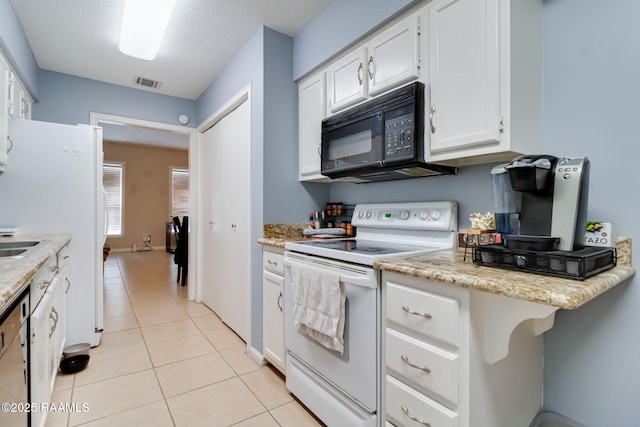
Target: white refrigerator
[53, 184]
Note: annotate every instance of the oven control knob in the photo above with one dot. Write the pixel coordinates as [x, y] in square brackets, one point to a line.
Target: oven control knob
[435, 215]
[368, 215]
[404, 215]
[424, 215]
[360, 214]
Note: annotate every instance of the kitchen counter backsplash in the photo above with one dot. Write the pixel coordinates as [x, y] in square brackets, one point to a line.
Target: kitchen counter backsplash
[278, 234]
[15, 273]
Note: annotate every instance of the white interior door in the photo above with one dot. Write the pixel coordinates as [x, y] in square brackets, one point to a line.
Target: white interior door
[226, 199]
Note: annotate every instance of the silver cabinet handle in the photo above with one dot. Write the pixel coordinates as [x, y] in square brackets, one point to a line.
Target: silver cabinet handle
[369, 70]
[66, 279]
[360, 79]
[65, 257]
[53, 316]
[275, 264]
[10, 147]
[405, 359]
[279, 299]
[44, 284]
[416, 313]
[418, 420]
[431, 113]
[319, 149]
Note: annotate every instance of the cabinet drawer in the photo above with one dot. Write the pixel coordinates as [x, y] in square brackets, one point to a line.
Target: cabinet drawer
[440, 375]
[272, 261]
[406, 407]
[423, 312]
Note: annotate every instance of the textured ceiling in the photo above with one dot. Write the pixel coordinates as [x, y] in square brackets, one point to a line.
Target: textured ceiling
[80, 37]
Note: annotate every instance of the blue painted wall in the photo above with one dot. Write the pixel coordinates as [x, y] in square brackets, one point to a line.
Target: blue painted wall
[69, 99]
[15, 45]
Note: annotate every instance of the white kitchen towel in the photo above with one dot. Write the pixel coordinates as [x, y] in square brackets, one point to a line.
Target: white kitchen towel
[318, 305]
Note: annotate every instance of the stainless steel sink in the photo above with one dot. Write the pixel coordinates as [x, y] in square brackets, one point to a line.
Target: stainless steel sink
[13, 244]
[15, 253]
[19, 249]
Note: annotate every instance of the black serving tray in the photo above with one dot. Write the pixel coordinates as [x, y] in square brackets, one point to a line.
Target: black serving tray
[577, 265]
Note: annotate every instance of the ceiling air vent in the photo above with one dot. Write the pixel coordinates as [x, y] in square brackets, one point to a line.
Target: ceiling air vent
[153, 84]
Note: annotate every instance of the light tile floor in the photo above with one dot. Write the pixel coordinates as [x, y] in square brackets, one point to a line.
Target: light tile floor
[167, 361]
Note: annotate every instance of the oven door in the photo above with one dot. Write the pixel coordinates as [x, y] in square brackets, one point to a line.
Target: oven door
[352, 144]
[355, 372]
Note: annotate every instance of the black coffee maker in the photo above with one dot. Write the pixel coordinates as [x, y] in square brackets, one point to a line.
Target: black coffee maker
[540, 209]
[553, 194]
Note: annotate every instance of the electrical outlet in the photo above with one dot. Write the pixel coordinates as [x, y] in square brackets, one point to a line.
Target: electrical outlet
[146, 237]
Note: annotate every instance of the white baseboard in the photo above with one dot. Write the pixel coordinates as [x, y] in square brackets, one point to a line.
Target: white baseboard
[155, 248]
[256, 356]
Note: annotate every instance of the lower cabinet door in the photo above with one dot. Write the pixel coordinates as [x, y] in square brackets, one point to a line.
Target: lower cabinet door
[39, 371]
[273, 319]
[406, 407]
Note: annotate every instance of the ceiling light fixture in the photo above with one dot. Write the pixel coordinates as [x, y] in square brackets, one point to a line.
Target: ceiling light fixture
[143, 25]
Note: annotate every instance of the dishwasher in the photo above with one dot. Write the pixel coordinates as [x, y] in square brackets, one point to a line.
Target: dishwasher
[14, 388]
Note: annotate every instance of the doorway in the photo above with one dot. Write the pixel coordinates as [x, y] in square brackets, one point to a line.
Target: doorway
[154, 131]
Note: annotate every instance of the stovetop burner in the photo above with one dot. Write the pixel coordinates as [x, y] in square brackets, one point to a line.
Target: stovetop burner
[367, 247]
[388, 230]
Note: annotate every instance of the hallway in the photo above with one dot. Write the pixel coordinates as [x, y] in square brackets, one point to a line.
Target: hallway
[167, 361]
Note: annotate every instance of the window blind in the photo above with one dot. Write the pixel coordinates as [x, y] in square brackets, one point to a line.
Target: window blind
[112, 179]
[179, 192]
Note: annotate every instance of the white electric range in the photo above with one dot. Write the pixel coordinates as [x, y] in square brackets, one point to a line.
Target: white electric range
[343, 389]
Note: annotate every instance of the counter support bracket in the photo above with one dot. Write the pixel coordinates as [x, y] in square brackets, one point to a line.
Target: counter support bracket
[495, 317]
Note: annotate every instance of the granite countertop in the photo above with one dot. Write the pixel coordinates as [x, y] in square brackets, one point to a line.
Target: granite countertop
[278, 234]
[449, 267]
[15, 273]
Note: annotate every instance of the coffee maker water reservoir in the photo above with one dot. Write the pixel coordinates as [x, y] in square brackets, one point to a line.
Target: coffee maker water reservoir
[540, 208]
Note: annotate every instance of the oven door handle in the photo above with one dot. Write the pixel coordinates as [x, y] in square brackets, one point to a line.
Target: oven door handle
[364, 280]
[356, 280]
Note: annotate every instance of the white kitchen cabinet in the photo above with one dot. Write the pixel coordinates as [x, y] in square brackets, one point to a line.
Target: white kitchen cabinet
[459, 358]
[394, 56]
[40, 352]
[4, 114]
[347, 80]
[272, 307]
[311, 112]
[48, 331]
[390, 59]
[485, 76]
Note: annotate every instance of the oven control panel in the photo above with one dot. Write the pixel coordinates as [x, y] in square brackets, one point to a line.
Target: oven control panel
[440, 216]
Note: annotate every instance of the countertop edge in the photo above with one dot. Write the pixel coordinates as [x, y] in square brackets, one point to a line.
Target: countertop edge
[16, 273]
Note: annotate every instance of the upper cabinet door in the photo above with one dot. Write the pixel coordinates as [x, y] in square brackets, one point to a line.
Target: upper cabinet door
[464, 74]
[4, 114]
[311, 111]
[394, 56]
[347, 80]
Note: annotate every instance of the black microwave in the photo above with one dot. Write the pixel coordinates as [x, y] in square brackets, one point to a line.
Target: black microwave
[379, 140]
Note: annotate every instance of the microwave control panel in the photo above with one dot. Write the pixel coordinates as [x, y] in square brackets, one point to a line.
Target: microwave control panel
[399, 137]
